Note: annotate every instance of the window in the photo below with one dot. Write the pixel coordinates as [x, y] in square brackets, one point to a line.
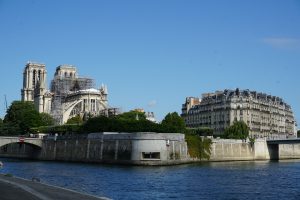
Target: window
[39, 75]
[84, 104]
[151, 155]
[34, 78]
[93, 105]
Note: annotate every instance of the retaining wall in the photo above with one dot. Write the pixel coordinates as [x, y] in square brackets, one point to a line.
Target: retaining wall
[122, 148]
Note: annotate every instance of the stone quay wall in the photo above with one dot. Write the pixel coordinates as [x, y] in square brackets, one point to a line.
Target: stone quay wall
[144, 149]
[231, 150]
[121, 148]
[289, 151]
[239, 150]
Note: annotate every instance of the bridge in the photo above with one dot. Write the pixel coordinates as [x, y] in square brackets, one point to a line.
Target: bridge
[4, 140]
[288, 148]
[284, 141]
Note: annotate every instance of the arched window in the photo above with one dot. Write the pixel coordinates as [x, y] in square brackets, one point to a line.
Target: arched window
[39, 75]
[34, 78]
[66, 74]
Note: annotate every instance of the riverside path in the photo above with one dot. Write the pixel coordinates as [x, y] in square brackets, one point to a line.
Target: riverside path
[12, 188]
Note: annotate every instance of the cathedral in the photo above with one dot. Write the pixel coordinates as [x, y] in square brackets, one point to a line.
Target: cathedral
[69, 95]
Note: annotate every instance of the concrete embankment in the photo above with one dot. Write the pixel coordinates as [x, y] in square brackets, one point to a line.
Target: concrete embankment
[107, 147]
[145, 149]
[16, 188]
[239, 150]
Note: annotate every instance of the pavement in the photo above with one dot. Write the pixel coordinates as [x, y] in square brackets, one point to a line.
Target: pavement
[12, 188]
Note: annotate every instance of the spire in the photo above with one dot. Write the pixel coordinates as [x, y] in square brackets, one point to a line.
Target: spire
[103, 89]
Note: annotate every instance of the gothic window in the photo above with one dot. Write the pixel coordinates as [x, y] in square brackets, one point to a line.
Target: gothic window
[34, 78]
[84, 104]
[93, 105]
[39, 75]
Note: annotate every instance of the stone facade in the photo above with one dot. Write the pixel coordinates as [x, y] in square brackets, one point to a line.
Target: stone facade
[266, 115]
[69, 95]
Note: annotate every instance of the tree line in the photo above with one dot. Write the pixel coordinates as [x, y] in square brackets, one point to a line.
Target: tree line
[22, 118]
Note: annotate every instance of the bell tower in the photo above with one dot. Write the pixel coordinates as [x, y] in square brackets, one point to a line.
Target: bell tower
[34, 78]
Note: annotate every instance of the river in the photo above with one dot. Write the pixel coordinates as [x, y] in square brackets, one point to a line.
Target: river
[221, 180]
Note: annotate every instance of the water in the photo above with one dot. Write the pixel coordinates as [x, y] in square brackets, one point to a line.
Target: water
[229, 180]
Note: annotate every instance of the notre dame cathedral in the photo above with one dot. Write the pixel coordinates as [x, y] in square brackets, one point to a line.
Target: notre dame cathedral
[69, 95]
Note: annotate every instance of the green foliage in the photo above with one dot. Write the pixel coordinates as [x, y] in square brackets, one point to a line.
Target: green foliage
[105, 124]
[10, 128]
[173, 123]
[63, 129]
[252, 141]
[21, 116]
[198, 147]
[47, 120]
[298, 133]
[239, 130]
[75, 120]
[202, 131]
[127, 123]
[132, 115]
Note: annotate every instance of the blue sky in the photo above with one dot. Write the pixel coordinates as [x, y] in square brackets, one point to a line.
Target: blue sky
[153, 54]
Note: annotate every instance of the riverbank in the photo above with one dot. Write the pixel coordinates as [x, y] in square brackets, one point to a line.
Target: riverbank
[14, 188]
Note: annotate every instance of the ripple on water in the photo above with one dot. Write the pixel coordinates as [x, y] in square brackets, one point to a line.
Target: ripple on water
[232, 180]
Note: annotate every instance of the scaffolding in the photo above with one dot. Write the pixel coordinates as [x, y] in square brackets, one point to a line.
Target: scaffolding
[61, 87]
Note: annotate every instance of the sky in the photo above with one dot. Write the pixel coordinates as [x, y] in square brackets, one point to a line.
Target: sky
[154, 54]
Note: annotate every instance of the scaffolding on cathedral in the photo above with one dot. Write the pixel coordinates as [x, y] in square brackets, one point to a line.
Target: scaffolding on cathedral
[61, 87]
[69, 95]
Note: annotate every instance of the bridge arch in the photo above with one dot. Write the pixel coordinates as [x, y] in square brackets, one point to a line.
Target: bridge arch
[11, 140]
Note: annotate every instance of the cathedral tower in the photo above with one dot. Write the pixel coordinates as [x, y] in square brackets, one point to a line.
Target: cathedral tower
[34, 77]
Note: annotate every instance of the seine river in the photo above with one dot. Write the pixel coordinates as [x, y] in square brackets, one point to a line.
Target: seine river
[226, 180]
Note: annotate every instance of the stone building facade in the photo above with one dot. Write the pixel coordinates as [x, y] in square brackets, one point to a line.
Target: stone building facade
[265, 115]
[69, 94]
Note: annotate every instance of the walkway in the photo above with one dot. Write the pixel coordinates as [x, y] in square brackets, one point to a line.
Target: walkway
[12, 188]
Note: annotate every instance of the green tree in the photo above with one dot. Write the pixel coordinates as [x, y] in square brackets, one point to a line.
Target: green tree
[10, 128]
[239, 130]
[115, 124]
[75, 120]
[132, 115]
[298, 133]
[202, 131]
[47, 120]
[21, 116]
[173, 123]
